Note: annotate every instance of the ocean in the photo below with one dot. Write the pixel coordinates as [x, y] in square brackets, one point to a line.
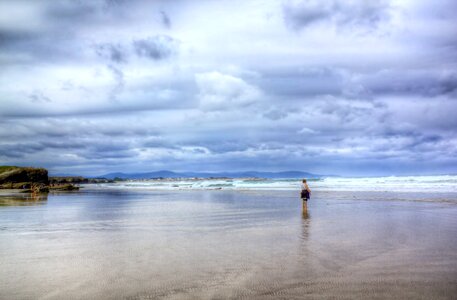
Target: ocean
[386, 237]
[436, 184]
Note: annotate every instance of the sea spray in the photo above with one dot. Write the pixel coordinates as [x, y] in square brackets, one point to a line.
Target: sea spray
[436, 184]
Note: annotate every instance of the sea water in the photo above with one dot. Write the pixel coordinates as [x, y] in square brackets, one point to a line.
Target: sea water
[435, 184]
[361, 238]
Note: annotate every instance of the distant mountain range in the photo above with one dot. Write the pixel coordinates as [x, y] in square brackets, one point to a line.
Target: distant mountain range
[171, 174]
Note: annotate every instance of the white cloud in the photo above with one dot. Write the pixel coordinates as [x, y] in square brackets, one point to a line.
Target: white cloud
[227, 84]
[306, 130]
[224, 92]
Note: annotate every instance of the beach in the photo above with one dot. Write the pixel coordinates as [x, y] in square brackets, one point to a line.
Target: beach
[158, 149]
[116, 242]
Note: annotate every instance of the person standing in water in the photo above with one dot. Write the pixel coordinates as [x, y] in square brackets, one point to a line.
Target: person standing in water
[305, 195]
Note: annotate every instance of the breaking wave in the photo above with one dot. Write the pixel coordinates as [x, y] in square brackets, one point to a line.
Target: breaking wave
[437, 184]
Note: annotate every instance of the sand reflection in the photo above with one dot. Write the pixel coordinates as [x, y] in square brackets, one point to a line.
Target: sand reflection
[22, 199]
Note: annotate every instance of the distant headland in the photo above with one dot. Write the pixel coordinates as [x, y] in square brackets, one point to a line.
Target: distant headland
[166, 174]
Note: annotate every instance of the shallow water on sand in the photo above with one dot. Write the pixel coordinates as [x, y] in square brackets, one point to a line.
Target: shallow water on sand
[139, 244]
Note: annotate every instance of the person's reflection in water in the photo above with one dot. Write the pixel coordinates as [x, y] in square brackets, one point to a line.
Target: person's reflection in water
[306, 218]
[303, 266]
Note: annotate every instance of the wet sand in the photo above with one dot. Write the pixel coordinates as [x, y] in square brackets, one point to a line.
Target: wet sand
[119, 244]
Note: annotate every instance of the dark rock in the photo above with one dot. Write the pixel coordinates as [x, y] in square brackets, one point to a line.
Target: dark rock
[13, 175]
[67, 179]
[63, 187]
[76, 179]
[35, 180]
[15, 185]
[39, 188]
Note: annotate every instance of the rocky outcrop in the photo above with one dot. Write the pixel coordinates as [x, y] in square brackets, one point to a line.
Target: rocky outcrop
[63, 187]
[33, 180]
[20, 175]
[77, 180]
[67, 179]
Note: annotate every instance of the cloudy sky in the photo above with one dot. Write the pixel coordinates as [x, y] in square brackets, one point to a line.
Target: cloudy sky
[349, 87]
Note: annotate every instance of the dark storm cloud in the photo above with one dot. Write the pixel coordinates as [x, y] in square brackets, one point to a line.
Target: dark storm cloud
[27, 47]
[157, 143]
[87, 12]
[63, 145]
[61, 31]
[275, 114]
[11, 37]
[165, 19]
[119, 83]
[73, 132]
[108, 149]
[113, 52]
[43, 31]
[426, 83]
[414, 145]
[300, 14]
[81, 143]
[19, 150]
[71, 11]
[149, 99]
[346, 111]
[227, 146]
[38, 96]
[156, 47]
[302, 82]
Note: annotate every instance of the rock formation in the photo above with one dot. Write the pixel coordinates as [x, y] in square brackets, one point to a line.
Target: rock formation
[34, 180]
[15, 176]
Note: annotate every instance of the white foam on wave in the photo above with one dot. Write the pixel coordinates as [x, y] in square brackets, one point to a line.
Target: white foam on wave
[443, 183]
[436, 184]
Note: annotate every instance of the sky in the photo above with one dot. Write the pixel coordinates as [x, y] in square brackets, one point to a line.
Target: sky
[352, 88]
